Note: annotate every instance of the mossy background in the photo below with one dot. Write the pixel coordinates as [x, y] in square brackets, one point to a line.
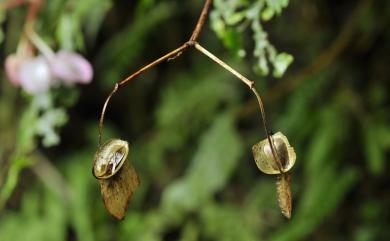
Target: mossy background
[191, 126]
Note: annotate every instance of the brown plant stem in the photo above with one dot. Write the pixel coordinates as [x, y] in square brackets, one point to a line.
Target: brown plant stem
[169, 56]
[173, 54]
[201, 21]
[251, 86]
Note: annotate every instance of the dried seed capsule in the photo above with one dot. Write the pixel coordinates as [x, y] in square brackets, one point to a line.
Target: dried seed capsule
[117, 177]
[263, 154]
[109, 158]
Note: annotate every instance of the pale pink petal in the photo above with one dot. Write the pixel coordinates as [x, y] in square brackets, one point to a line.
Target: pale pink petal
[12, 65]
[35, 75]
[71, 67]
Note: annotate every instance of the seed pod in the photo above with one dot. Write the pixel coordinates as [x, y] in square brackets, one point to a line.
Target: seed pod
[109, 158]
[262, 153]
[117, 177]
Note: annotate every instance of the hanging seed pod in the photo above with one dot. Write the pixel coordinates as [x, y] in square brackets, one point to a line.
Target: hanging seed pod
[283, 189]
[109, 158]
[117, 177]
[263, 154]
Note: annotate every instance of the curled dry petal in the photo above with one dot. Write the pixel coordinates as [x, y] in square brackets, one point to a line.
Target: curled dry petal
[71, 67]
[35, 76]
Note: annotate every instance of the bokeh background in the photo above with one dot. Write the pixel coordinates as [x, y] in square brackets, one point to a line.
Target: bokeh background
[191, 125]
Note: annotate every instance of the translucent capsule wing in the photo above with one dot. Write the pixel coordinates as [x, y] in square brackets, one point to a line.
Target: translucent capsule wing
[118, 190]
[283, 189]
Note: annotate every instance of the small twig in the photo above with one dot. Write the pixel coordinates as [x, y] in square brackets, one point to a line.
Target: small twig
[251, 86]
[104, 112]
[248, 82]
[169, 56]
[269, 137]
[38, 42]
[138, 72]
[175, 53]
[201, 21]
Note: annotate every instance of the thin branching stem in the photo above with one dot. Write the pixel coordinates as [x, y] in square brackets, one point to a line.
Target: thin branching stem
[169, 56]
[201, 21]
[135, 74]
[224, 65]
[251, 86]
[173, 54]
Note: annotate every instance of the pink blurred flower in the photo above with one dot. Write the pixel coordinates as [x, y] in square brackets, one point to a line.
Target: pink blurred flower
[13, 61]
[12, 66]
[35, 76]
[71, 67]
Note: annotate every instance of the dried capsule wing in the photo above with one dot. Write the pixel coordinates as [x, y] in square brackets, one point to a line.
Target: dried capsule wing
[118, 190]
[262, 154]
[283, 189]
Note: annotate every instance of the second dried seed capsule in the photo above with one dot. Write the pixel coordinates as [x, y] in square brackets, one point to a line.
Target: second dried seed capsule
[265, 161]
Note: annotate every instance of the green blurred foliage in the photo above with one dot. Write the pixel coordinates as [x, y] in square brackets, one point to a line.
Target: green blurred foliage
[231, 18]
[191, 125]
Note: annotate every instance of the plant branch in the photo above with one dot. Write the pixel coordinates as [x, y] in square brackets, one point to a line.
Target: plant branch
[248, 82]
[251, 86]
[201, 21]
[173, 54]
[169, 56]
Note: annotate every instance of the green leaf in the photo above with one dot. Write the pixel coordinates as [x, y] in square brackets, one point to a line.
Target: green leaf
[373, 149]
[216, 157]
[281, 63]
[43, 217]
[18, 163]
[210, 169]
[47, 124]
[224, 223]
[267, 14]
[277, 5]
